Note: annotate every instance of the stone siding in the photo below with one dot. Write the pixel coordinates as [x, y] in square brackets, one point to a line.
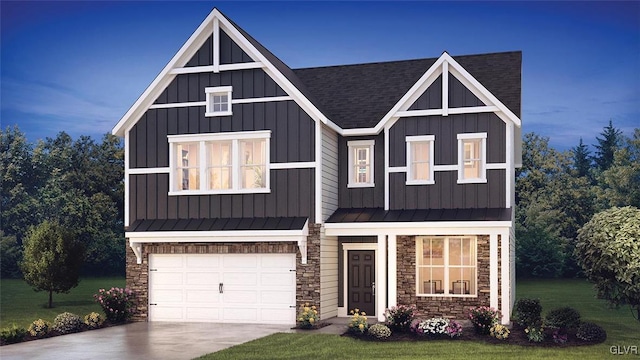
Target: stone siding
[307, 276]
[445, 306]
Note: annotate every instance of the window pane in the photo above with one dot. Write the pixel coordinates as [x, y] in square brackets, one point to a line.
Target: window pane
[188, 172]
[455, 251]
[362, 165]
[472, 158]
[420, 151]
[252, 164]
[420, 171]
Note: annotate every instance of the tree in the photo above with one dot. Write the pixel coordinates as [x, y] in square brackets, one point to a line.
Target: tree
[538, 253]
[52, 259]
[582, 160]
[607, 145]
[620, 183]
[10, 255]
[608, 249]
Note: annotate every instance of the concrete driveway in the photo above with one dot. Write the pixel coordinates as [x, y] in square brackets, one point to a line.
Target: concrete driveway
[141, 340]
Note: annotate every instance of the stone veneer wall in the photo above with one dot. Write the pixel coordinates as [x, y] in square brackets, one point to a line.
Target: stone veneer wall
[307, 276]
[445, 306]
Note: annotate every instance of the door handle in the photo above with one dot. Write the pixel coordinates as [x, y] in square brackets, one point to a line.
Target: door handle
[221, 288]
[373, 288]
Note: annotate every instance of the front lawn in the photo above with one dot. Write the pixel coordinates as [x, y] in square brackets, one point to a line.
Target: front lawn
[21, 305]
[622, 330]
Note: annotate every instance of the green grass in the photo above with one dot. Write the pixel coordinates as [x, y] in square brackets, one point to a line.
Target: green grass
[622, 330]
[21, 305]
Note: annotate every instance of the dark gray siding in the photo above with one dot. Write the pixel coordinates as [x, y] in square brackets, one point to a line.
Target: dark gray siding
[291, 195]
[446, 193]
[361, 197]
[460, 96]
[230, 53]
[251, 83]
[431, 98]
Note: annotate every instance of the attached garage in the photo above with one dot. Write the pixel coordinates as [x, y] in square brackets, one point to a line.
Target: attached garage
[227, 288]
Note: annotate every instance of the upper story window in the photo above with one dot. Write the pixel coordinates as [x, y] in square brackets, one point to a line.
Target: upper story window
[420, 160]
[446, 266]
[472, 158]
[219, 163]
[360, 163]
[218, 101]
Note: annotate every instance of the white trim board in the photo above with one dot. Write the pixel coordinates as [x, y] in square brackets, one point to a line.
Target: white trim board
[344, 309]
[417, 228]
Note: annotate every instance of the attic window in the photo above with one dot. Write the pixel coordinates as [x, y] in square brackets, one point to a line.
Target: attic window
[360, 163]
[218, 101]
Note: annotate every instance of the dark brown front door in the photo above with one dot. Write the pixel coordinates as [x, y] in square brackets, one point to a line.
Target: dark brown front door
[361, 286]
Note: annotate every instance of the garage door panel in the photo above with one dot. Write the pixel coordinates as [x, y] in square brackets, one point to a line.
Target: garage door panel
[258, 288]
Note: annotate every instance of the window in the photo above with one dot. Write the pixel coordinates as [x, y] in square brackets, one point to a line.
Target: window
[446, 265]
[360, 163]
[219, 163]
[218, 101]
[472, 158]
[420, 160]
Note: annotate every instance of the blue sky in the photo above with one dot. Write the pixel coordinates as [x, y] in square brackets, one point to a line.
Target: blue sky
[78, 66]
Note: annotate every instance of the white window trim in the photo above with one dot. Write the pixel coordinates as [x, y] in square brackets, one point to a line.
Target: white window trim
[421, 138]
[228, 136]
[474, 240]
[361, 143]
[219, 90]
[483, 160]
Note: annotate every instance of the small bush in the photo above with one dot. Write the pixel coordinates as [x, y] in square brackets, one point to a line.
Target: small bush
[563, 318]
[39, 328]
[12, 334]
[399, 318]
[307, 316]
[534, 333]
[433, 327]
[528, 312]
[379, 331]
[483, 318]
[93, 320]
[559, 336]
[358, 322]
[591, 332]
[454, 329]
[499, 332]
[67, 322]
[116, 303]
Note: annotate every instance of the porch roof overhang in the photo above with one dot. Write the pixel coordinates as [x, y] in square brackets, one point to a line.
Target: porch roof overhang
[273, 229]
[376, 221]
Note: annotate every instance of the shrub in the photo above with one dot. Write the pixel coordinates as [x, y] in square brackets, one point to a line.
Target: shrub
[39, 328]
[534, 333]
[433, 327]
[528, 312]
[93, 320]
[379, 331]
[483, 318]
[400, 317]
[559, 336]
[454, 329]
[588, 331]
[358, 322]
[12, 334]
[307, 316]
[67, 323]
[117, 303]
[499, 332]
[563, 318]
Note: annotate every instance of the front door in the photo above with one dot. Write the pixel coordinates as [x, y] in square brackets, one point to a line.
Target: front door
[361, 285]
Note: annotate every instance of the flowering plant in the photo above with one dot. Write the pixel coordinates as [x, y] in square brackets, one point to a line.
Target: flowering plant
[117, 303]
[534, 333]
[358, 322]
[39, 328]
[308, 316]
[499, 332]
[559, 336]
[454, 329]
[379, 331]
[93, 320]
[483, 318]
[433, 327]
[400, 317]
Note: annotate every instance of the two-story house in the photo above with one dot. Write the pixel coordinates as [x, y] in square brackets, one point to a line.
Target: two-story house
[251, 188]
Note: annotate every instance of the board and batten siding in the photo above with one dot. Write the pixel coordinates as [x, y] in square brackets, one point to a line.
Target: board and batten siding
[366, 197]
[329, 172]
[230, 52]
[328, 275]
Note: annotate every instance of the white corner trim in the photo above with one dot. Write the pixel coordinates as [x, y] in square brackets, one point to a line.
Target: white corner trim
[318, 173]
[387, 168]
[392, 269]
[381, 277]
[493, 270]
[127, 144]
[505, 268]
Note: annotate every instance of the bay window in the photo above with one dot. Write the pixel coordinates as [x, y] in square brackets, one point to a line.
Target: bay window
[446, 266]
[219, 163]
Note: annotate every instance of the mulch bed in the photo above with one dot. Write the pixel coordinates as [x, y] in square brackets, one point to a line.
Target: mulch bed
[317, 326]
[516, 337]
[53, 333]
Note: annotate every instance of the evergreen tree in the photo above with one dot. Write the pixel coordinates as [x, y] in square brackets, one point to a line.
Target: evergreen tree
[607, 145]
[582, 160]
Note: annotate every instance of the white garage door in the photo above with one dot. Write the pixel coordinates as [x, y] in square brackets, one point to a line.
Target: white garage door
[232, 288]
